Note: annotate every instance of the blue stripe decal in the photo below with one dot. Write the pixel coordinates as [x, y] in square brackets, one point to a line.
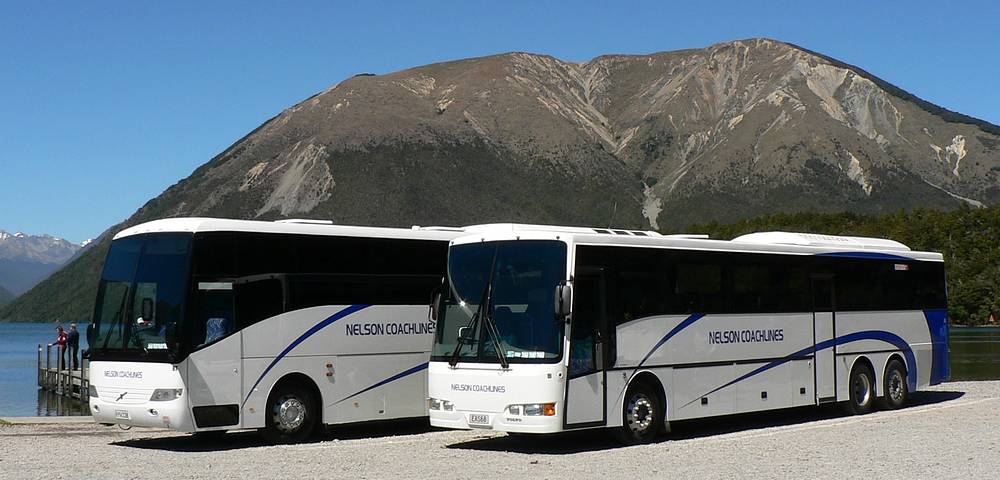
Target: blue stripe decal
[865, 255]
[422, 366]
[312, 331]
[895, 340]
[680, 326]
[937, 325]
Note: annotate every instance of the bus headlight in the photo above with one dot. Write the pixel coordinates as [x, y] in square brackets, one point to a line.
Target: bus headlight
[438, 404]
[165, 394]
[533, 409]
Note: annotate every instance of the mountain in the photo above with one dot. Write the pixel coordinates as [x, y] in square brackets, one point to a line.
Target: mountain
[26, 260]
[665, 140]
[5, 296]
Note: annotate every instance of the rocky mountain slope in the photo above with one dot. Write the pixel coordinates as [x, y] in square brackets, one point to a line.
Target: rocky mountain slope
[645, 141]
[26, 260]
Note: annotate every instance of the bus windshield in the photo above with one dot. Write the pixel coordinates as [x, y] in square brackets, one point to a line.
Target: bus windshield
[140, 299]
[520, 302]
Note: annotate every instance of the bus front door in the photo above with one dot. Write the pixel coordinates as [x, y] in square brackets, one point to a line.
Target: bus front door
[586, 385]
[213, 369]
[824, 330]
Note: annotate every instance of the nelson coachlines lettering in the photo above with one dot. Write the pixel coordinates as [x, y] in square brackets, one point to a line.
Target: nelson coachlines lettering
[746, 336]
[465, 387]
[411, 328]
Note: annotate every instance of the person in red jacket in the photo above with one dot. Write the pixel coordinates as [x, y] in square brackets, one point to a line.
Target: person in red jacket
[61, 341]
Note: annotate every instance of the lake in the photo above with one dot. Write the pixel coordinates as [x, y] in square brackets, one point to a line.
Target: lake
[975, 355]
[19, 392]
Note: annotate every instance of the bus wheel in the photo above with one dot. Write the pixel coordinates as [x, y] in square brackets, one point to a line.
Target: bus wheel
[896, 390]
[642, 415]
[862, 385]
[291, 415]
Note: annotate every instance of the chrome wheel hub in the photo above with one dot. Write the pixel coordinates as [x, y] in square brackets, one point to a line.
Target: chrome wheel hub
[895, 386]
[639, 415]
[862, 390]
[289, 413]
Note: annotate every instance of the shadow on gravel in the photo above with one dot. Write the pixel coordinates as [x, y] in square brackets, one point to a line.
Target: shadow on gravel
[249, 439]
[596, 440]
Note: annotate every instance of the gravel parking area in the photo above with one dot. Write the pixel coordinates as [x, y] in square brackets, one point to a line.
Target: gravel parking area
[952, 431]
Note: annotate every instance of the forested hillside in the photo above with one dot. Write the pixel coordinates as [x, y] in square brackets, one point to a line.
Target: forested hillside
[968, 238]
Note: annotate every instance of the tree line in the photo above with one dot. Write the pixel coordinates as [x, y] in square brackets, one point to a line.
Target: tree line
[968, 238]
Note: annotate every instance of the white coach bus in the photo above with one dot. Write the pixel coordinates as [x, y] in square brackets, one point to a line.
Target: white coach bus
[208, 325]
[546, 329]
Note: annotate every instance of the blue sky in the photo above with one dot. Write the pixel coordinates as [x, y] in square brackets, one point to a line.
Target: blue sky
[103, 105]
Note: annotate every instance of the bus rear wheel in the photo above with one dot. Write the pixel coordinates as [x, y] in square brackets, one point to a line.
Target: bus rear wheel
[895, 387]
[862, 390]
[292, 415]
[642, 415]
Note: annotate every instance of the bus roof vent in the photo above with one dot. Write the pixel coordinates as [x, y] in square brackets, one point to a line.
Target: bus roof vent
[634, 233]
[688, 236]
[306, 221]
[817, 240]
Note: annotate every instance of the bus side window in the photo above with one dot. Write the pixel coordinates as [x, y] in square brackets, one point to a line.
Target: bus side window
[699, 288]
[257, 300]
[214, 319]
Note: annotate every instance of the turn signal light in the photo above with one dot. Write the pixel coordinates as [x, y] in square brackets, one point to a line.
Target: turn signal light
[533, 409]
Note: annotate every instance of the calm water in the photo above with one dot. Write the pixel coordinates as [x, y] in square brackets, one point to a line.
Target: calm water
[975, 355]
[19, 392]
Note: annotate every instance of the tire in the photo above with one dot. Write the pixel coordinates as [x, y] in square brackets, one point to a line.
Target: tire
[862, 389]
[897, 392]
[291, 415]
[642, 415]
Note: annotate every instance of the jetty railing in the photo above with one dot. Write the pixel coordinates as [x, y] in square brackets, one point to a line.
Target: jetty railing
[59, 377]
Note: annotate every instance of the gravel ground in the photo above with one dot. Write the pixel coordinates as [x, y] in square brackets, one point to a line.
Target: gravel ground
[950, 431]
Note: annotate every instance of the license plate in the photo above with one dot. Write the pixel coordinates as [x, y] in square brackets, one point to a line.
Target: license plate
[479, 419]
[121, 414]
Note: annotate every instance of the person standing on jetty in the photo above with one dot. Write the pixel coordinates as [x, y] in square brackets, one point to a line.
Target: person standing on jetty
[61, 342]
[73, 342]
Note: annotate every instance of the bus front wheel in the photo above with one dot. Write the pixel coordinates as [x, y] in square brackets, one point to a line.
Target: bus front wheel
[642, 415]
[291, 415]
[862, 390]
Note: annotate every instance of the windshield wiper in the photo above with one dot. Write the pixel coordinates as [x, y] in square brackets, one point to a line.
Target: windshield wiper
[483, 316]
[473, 324]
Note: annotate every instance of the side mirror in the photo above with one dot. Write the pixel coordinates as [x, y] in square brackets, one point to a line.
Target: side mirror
[91, 331]
[564, 299]
[435, 306]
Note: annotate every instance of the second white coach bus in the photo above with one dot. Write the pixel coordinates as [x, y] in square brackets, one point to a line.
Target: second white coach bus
[206, 325]
[545, 329]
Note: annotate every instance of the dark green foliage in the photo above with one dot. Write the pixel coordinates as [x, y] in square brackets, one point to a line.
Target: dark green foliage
[968, 238]
[5, 296]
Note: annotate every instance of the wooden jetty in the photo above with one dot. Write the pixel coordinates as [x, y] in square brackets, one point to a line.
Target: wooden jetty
[60, 378]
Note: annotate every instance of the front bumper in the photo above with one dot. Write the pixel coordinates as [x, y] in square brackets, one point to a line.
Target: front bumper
[170, 414]
[499, 421]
